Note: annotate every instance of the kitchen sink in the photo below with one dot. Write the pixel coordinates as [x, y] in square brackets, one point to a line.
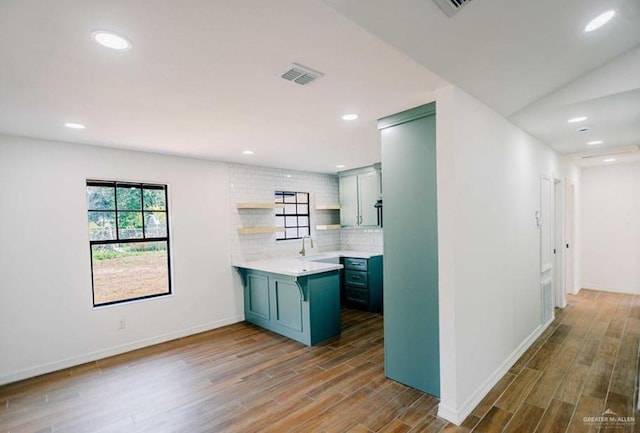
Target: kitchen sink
[323, 258]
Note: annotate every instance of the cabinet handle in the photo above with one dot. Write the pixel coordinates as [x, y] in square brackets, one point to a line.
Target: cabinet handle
[355, 277]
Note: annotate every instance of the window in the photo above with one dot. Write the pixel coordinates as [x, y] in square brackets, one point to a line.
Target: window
[129, 241]
[294, 218]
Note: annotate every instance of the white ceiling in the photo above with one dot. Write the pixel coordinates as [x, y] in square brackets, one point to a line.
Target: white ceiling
[609, 96]
[529, 60]
[202, 78]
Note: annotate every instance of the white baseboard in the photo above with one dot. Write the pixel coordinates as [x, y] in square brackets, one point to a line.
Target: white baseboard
[111, 351]
[450, 414]
[457, 416]
[626, 290]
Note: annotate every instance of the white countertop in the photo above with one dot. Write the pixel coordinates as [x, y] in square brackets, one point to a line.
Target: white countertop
[290, 267]
[345, 253]
[301, 266]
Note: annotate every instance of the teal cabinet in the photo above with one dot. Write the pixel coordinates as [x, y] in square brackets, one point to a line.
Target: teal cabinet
[362, 283]
[359, 191]
[257, 296]
[305, 308]
[411, 323]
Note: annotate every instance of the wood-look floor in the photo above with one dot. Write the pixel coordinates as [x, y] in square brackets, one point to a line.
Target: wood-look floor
[244, 379]
[585, 363]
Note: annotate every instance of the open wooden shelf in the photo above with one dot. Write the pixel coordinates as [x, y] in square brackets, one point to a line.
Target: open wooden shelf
[260, 206]
[329, 219]
[259, 230]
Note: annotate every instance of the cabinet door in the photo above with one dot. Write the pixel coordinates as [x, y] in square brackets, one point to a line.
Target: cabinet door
[287, 303]
[349, 201]
[357, 297]
[257, 297]
[369, 188]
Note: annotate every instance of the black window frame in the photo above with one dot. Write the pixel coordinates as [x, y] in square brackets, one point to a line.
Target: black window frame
[118, 240]
[284, 215]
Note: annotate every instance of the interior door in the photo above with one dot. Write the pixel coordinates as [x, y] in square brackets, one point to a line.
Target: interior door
[545, 220]
[570, 285]
[558, 243]
[546, 224]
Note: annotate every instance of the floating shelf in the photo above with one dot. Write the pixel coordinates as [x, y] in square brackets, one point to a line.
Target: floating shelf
[260, 206]
[259, 230]
[328, 227]
[330, 220]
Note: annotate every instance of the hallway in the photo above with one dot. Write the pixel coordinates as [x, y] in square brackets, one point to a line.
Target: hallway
[585, 363]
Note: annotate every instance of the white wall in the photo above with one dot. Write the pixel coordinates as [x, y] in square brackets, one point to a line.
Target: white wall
[489, 175]
[47, 320]
[610, 231]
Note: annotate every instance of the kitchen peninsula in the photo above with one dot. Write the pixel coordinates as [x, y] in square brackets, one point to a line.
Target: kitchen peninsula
[296, 298]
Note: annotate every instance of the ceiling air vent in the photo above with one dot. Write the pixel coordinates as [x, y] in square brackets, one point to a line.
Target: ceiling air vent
[450, 7]
[301, 74]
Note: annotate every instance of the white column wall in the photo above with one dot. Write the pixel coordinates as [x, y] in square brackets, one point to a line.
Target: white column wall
[488, 193]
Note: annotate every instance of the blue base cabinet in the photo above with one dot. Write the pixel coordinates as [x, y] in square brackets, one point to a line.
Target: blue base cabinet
[362, 283]
[411, 313]
[306, 309]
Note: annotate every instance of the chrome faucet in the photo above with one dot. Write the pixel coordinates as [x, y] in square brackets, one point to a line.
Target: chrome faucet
[303, 252]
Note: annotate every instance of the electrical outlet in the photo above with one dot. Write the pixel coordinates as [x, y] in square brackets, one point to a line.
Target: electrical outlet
[122, 324]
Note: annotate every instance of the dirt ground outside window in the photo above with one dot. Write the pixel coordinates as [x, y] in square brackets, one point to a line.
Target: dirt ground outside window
[130, 277]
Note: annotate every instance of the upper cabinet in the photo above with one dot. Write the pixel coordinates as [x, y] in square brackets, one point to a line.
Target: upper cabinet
[360, 190]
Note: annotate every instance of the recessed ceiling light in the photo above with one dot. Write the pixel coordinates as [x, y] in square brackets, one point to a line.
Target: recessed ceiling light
[111, 40]
[340, 166]
[599, 21]
[352, 116]
[248, 152]
[593, 143]
[577, 119]
[74, 125]
[608, 160]
[288, 176]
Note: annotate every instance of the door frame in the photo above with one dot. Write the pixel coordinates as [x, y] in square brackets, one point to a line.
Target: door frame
[545, 220]
[558, 236]
[552, 221]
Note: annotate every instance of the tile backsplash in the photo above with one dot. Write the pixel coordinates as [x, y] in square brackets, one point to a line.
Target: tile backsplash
[257, 184]
[361, 239]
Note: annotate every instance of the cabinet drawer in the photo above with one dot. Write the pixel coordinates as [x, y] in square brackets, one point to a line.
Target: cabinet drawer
[355, 278]
[357, 296]
[357, 264]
